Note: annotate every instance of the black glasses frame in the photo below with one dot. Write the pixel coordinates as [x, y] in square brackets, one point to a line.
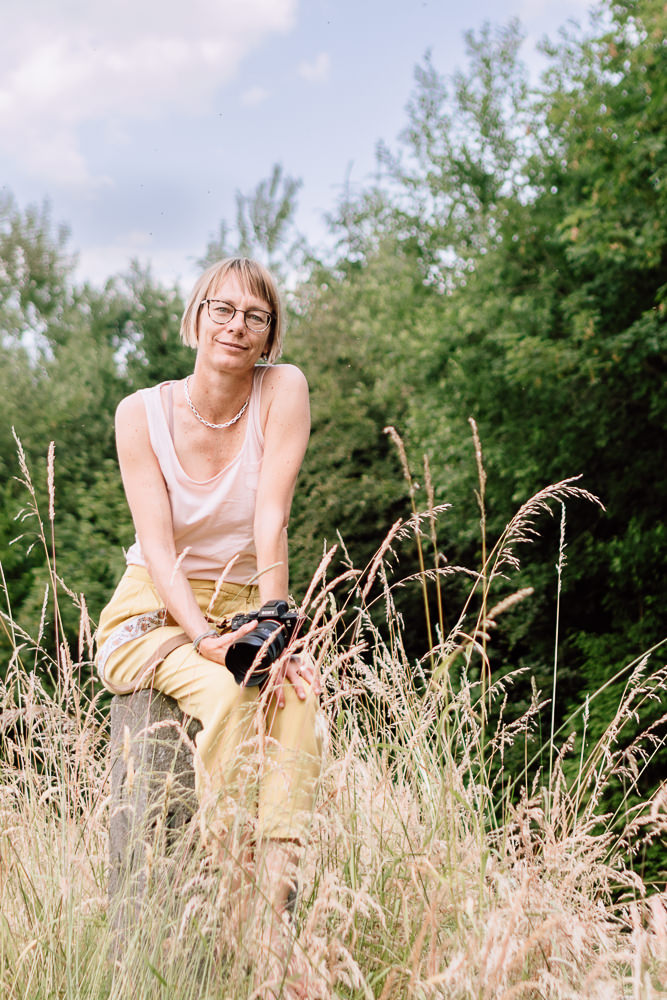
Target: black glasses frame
[207, 302]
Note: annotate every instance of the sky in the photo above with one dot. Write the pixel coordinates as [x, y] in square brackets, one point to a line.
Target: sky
[139, 119]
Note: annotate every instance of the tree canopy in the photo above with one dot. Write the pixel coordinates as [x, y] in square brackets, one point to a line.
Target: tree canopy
[508, 264]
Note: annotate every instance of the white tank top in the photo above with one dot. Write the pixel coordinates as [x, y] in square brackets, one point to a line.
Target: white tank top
[212, 520]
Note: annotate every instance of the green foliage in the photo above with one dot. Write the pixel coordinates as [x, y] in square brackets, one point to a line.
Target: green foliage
[464, 152]
[354, 338]
[35, 270]
[149, 346]
[512, 268]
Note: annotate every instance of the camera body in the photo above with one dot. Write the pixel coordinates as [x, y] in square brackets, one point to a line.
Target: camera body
[275, 623]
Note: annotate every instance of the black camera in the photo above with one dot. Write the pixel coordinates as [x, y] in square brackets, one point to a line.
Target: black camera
[275, 622]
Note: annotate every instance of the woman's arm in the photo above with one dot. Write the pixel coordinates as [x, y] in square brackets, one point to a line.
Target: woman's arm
[148, 500]
[286, 433]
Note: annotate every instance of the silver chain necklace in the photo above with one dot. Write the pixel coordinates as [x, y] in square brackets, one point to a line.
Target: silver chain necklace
[214, 427]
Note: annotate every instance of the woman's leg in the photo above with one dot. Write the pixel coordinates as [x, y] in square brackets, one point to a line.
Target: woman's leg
[291, 767]
[226, 745]
[249, 750]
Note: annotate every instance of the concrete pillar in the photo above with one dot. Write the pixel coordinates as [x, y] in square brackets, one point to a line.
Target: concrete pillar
[152, 794]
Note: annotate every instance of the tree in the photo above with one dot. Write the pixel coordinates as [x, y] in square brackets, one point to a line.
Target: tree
[148, 319]
[513, 271]
[36, 268]
[264, 227]
[69, 355]
[554, 339]
[463, 152]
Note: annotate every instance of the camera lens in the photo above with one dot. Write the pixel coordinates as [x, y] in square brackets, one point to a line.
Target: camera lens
[241, 655]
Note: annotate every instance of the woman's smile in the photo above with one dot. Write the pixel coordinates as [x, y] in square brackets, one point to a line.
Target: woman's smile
[231, 345]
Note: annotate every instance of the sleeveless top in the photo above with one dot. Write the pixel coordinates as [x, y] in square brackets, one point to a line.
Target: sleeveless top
[213, 520]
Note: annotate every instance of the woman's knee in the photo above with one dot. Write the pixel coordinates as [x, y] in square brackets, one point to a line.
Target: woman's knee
[203, 689]
[295, 725]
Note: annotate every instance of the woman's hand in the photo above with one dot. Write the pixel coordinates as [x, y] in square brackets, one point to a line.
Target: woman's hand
[215, 647]
[295, 668]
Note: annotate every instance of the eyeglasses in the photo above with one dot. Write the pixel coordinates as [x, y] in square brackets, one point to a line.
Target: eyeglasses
[219, 311]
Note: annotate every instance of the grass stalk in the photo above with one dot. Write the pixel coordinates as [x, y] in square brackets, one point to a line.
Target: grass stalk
[559, 569]
[395, 437]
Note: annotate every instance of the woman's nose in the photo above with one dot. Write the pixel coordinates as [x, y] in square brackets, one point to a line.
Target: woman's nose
[237, 322]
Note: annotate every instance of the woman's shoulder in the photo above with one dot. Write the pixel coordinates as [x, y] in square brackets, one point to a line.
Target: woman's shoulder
[284, 377]
[132, 409]
[137, 399]
[285, 396]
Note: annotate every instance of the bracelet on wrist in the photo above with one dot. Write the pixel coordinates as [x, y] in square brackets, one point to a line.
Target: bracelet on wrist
[204, 635]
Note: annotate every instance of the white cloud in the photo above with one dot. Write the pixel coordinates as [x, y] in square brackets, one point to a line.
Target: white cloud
[316, 71]
[89, 61]
[254, 96]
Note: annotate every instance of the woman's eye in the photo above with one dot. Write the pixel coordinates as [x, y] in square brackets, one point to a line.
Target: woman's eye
[223, 312]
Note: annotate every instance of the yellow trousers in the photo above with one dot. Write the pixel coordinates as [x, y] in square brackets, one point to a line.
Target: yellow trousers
[249, 751]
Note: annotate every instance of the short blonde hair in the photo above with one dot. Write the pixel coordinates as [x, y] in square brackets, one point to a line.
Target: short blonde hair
[254, 278]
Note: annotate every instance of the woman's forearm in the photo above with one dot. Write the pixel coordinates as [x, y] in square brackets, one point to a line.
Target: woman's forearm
[272, 559]
[174, 588]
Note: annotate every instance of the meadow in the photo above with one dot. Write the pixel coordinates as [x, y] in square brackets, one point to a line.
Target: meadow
[434, 870]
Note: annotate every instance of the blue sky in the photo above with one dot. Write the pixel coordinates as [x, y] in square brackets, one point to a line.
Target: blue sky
[139, 119]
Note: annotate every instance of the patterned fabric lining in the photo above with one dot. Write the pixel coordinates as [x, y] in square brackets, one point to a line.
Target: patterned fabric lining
[130, 629]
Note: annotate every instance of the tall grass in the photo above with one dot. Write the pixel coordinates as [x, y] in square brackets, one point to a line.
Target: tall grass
[432, 872]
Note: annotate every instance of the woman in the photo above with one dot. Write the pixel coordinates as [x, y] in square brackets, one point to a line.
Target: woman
[209, 466]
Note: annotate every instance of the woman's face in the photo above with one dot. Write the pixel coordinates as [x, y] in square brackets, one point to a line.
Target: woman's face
[231, 344]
